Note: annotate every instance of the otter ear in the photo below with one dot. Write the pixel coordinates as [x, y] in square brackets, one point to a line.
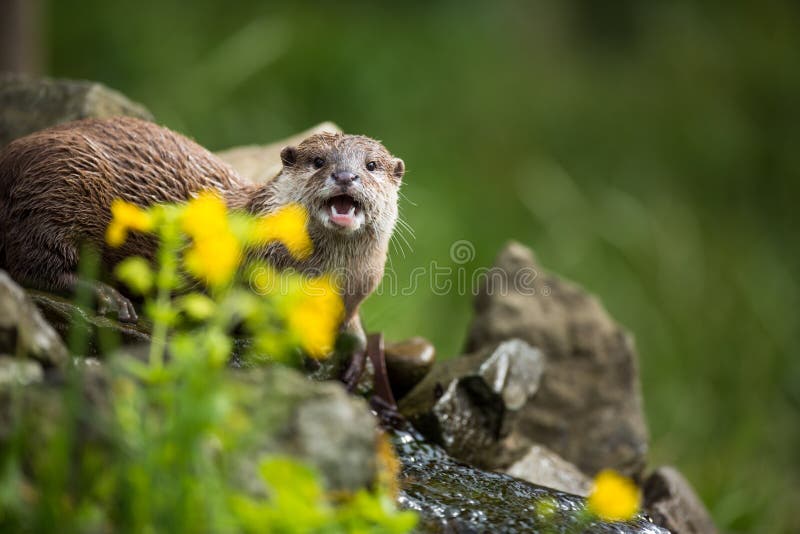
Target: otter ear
[289, 156]
[399, 168]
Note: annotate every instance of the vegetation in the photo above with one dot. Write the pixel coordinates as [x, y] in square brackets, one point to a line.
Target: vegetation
[156, 449]
[645, 149]
[153, 446]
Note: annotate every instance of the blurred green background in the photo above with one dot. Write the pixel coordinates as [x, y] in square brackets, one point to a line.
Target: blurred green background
[648, 150]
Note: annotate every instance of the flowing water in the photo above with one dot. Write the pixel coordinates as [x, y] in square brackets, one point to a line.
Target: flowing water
[454, 497]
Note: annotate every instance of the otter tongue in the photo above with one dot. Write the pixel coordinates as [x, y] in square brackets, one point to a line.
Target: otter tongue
[342, 205]
[343, 211]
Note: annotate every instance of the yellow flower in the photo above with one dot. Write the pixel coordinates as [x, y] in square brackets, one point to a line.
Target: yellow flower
[614, 497]
[214, 258]
[205, 216]
[287, 226]
[315, 314]
[124, 217]
[215, 252]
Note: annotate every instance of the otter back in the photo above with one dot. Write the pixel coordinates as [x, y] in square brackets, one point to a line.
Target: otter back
[57, 186]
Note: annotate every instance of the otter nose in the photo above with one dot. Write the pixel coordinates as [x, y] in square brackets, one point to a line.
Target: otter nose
[344, 177]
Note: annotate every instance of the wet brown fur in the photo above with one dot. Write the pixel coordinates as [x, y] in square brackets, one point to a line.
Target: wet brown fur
[357, 259]
[57, 186]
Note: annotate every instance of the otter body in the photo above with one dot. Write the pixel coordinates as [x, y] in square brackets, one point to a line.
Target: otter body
[57, 186]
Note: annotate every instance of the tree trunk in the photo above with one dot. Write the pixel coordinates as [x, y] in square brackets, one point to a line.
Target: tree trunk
[20, 36]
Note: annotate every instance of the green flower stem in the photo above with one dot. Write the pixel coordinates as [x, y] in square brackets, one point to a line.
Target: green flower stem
[159, 338]
[166, 281]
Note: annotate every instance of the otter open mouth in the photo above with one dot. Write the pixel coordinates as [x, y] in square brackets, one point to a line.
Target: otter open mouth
[343, 210]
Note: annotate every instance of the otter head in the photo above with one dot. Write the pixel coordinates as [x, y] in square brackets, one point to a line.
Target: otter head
[348, 183]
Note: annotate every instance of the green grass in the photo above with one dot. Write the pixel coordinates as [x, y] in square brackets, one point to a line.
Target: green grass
[647, 151]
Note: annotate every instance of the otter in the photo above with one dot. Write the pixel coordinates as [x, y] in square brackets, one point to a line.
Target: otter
[57, 186]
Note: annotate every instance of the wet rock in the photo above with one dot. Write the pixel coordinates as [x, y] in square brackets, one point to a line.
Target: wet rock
[543, 467]
[23, 330]
[28, 105]
[407, 363]
[260, 163]
[470, 403]
[451, 496]
[101, 331]
[672, 503]
[589, 406]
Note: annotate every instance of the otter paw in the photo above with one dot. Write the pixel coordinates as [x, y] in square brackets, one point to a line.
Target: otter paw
[111, 300]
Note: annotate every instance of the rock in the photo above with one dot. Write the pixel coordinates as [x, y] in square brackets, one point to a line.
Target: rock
[672, 503]
[23, 330]
[589, 405]
[407, 363]
[337, 434]
[20, 371]
[468, 404]
[316, 422]
[41, 409]
[543, 467]
[260, 163]
[61, 313]
[28, 105]
[286, 413]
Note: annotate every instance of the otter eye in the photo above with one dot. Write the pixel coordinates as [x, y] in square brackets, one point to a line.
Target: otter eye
[371, 166]
[318, 163]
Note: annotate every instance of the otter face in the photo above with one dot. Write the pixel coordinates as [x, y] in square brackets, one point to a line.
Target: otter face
[348, 183]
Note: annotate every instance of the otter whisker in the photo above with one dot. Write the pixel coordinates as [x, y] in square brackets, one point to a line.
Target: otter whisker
[402, 236]
[407, 199]
[405, 230]
[406, 227]
[397, 245]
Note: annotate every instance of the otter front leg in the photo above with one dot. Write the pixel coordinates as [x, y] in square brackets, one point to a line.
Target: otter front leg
[106, 297]
[358, 358]
[109, 299]
[53, 269]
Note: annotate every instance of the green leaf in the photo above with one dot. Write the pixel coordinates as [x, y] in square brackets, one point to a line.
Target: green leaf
[288, 476]
[135, 272]
[198, 306]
